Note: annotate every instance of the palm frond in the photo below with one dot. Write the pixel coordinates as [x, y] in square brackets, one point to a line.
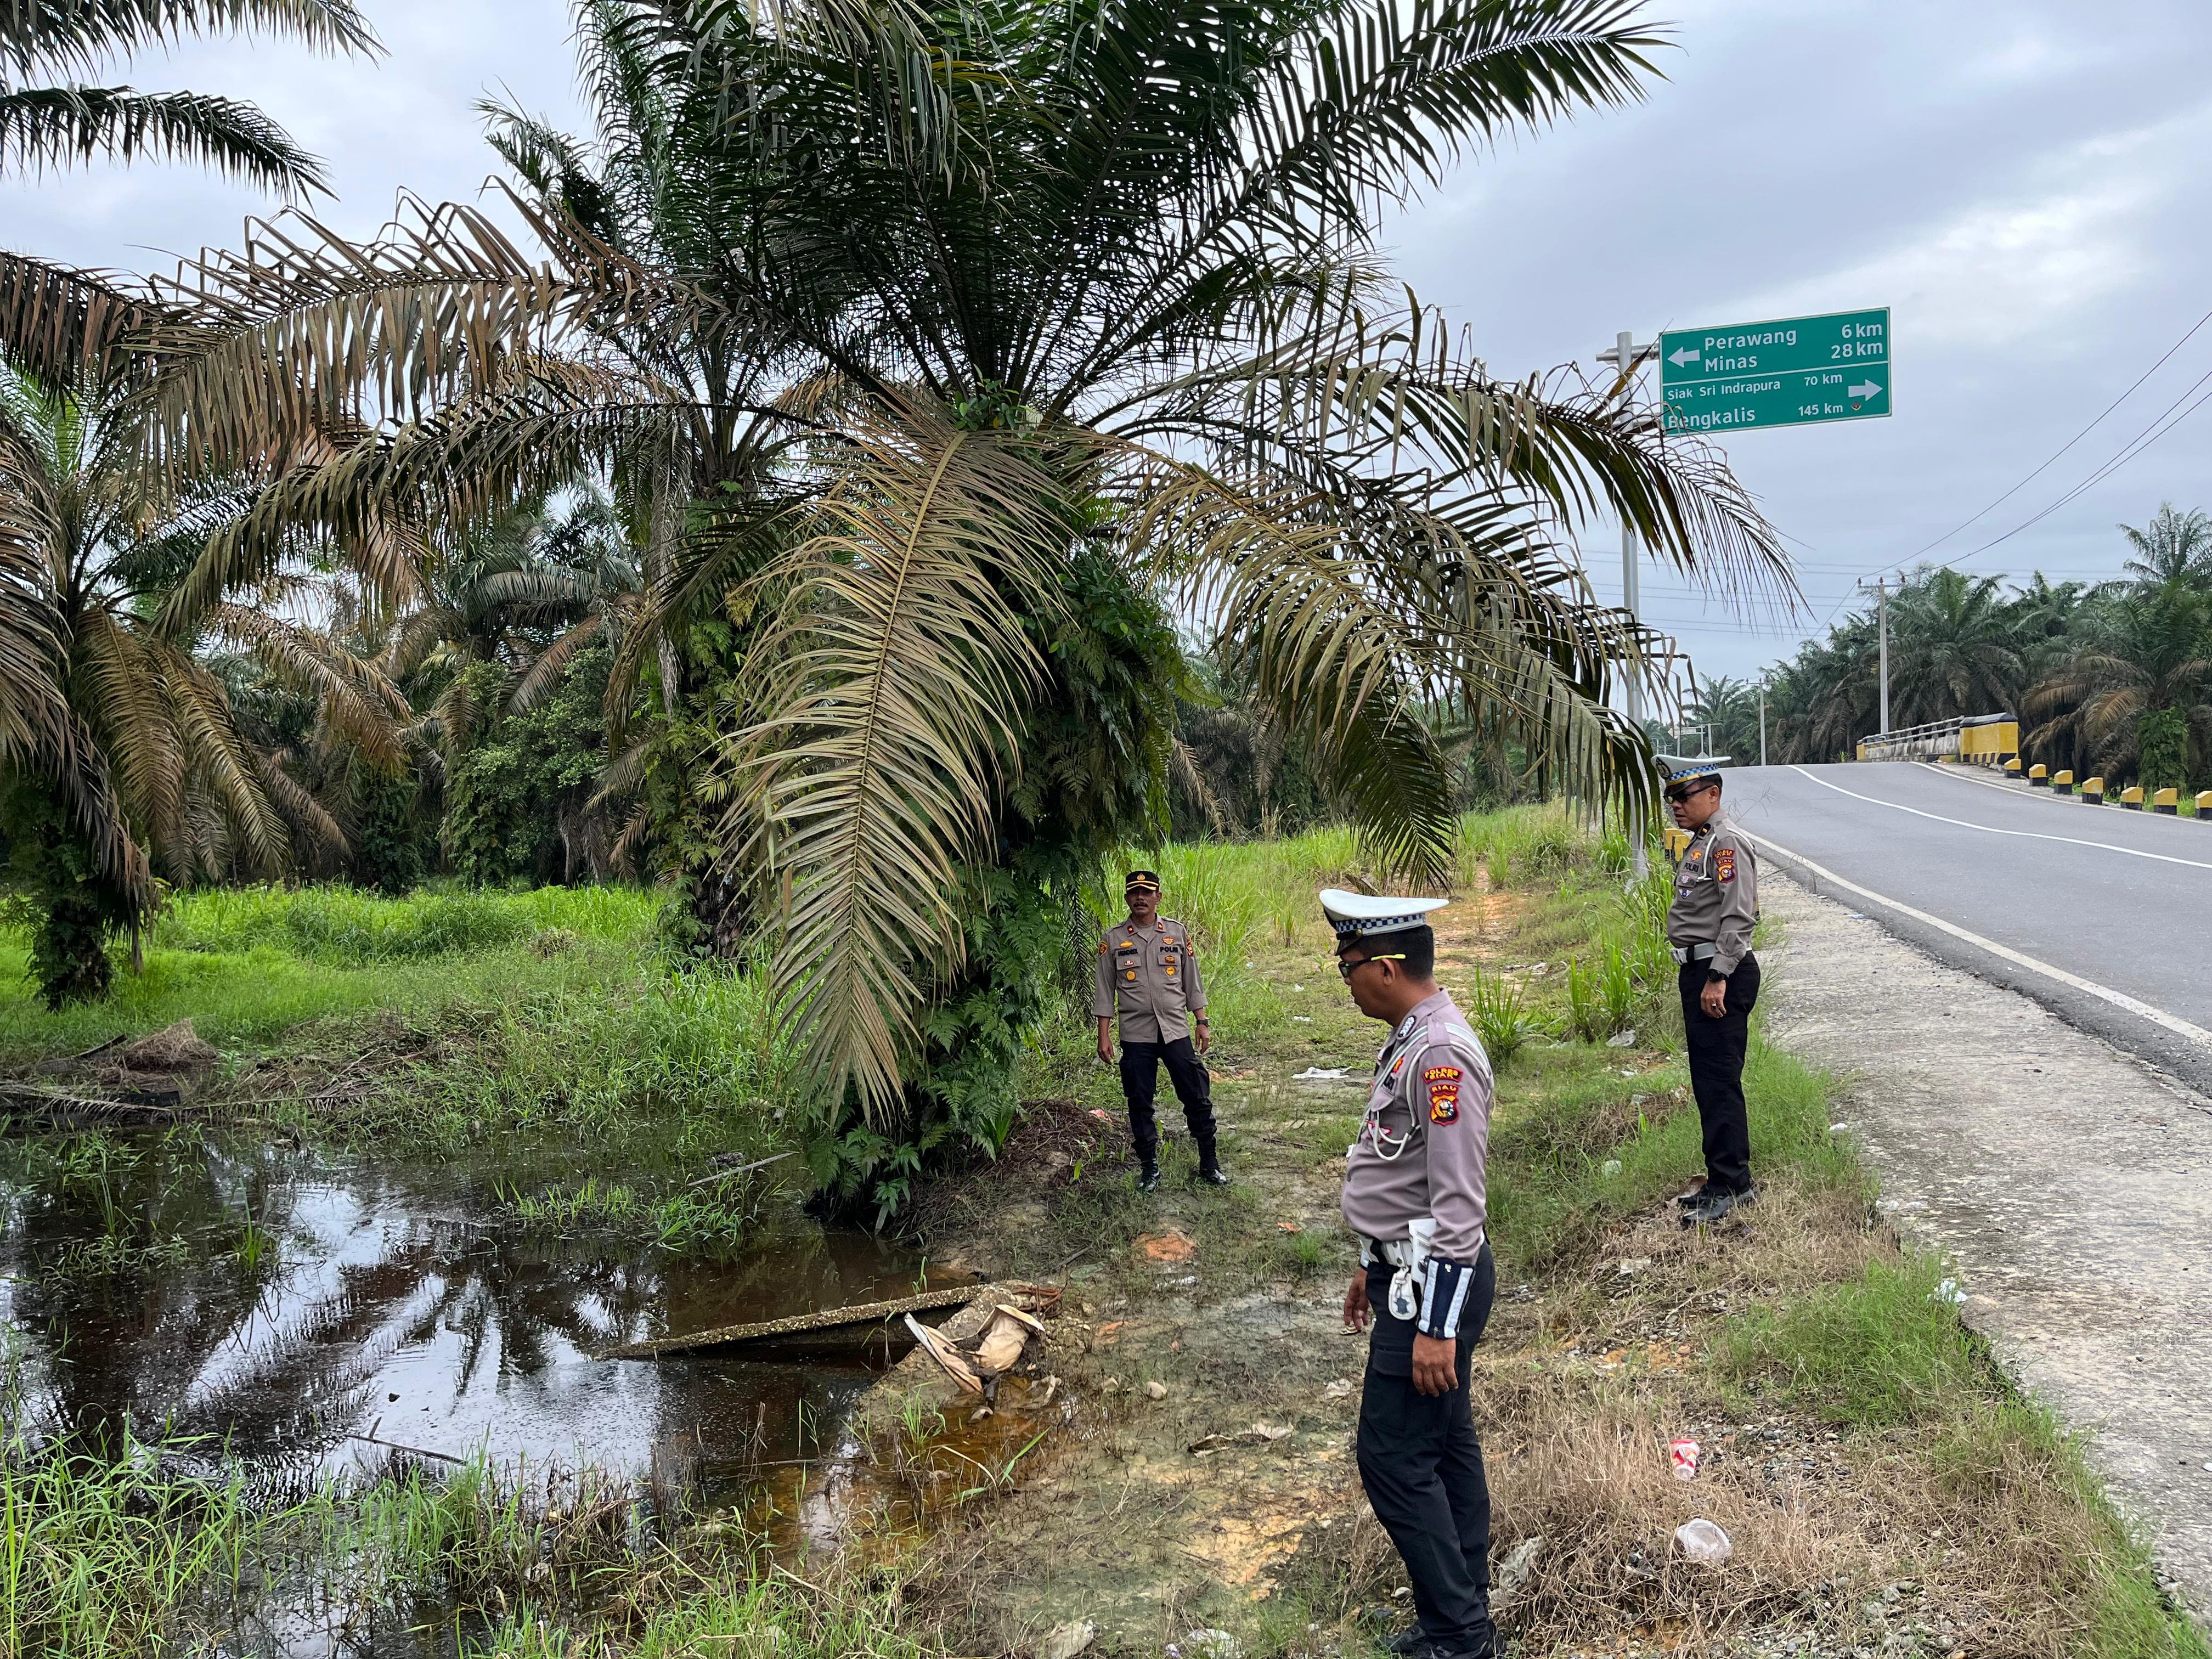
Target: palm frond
[43, 37]
[46, 127]
[539, 679]
[899, 674]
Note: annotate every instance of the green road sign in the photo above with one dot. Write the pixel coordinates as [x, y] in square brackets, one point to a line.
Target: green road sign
[1791, 372]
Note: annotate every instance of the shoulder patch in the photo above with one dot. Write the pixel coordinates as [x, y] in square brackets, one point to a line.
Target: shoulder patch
[1724, 863]
[1443, 1083]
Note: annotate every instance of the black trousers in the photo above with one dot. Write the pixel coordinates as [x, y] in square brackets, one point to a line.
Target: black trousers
[1141, 1082]
[1422, 1467]
[1716, 1049]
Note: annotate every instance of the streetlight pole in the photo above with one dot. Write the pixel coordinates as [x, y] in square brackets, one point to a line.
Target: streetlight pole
[1762, 718]
[1882, 601]
[1625, 357]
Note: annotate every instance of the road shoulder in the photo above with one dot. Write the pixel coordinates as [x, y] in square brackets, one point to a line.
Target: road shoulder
[2071, 1185]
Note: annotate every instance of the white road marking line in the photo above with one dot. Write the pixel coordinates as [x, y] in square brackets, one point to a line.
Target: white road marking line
[1991, 830]
[1961, 776]
[2117, 999]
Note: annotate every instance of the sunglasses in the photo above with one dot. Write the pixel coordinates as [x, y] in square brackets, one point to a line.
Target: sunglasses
[1347, 969]
[1681, 793]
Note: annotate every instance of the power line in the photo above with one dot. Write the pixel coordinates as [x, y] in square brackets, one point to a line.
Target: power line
[2143, 441]
[2133, 388]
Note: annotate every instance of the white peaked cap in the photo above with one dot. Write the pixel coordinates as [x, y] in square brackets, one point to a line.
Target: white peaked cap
[1365, 915]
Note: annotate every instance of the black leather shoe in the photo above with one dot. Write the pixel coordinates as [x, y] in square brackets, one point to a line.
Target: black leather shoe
[1406, 1643]
[1148, 1178]
[1716, 1206]
[1213, 1175]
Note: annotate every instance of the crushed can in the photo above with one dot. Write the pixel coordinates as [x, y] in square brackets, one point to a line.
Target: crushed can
[1683, 1454]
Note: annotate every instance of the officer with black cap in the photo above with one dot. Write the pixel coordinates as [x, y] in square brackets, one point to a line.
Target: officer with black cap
[1415, 1193]
[1148, 979]
[1708, 925]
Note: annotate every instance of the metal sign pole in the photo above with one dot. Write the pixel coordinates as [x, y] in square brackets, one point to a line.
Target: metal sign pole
[1626, 356]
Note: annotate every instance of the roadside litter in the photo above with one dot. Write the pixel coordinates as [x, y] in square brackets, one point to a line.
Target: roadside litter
[1704, 1541]
[1683, 1454]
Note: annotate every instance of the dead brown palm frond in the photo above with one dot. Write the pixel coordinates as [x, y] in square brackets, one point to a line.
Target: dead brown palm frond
[62, 325]
[222, 768]
[308, 817]
[354, 698]
[1193, 778]
[899, 677]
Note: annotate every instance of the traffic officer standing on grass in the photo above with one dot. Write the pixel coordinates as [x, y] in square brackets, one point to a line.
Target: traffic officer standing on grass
[1414, 1194]
[1148, 978]
[1708, 923]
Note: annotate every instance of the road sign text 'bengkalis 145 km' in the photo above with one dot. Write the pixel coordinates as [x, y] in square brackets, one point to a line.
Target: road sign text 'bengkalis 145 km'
[1795, 370]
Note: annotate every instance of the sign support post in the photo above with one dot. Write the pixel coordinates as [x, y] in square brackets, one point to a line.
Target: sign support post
[1626, 356]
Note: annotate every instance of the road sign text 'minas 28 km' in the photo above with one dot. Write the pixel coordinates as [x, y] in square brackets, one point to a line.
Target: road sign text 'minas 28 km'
[1795, 370]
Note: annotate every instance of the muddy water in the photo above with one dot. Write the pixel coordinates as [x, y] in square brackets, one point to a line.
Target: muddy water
[313, 1312]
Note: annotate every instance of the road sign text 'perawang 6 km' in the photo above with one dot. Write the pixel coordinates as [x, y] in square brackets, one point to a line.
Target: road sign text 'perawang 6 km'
[1797, 371]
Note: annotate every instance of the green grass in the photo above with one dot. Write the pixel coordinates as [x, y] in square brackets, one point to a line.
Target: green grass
[247, 965]
[1882, 1349]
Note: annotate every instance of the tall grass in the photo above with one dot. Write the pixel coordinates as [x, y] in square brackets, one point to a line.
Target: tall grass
[345, 927]
[115, 1557]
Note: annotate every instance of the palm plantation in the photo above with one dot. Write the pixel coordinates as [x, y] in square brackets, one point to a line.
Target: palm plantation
[2110, 677]
[939, 391]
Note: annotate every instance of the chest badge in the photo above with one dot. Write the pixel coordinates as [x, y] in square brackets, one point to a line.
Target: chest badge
[1443, 1083]
[1131, 974]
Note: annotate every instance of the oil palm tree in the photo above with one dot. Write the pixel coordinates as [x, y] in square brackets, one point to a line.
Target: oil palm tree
[1728, 711]
[116, 740]
[2139, 683]
[891, 353]
[1955, 647]
[523, 594]
[2172, 547]
[45, 126]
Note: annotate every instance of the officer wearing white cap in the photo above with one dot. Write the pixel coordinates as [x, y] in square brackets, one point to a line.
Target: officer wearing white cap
[1708, 923]
[1414, 1194]
[1148, 981]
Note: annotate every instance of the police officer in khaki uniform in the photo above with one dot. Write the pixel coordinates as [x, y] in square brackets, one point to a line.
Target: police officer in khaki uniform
[1415, 1195]
[1148, 979]
[1708, 923]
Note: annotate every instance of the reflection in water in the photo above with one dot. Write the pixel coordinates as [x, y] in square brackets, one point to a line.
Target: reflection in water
[300, 1308]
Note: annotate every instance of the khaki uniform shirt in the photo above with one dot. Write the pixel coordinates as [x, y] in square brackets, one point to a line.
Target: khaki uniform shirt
[1425, 1146]
[1716, 894]
[1149, 979]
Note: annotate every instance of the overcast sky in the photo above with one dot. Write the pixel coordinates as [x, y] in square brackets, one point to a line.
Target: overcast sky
[2024, 182]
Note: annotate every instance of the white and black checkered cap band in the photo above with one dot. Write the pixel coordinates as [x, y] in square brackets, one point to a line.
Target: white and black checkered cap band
[1362, 915]
[1354, 927]
[1680, 768]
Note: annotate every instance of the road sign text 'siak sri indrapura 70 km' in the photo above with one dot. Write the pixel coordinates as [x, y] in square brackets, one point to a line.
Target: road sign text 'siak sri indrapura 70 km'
[1793, 372]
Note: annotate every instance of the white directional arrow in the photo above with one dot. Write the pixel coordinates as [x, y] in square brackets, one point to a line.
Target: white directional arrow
[1862, 393]
[1682, 354]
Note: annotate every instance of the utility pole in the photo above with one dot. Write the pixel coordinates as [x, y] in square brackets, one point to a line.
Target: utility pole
[1762, 717]
[1626, 356]
[1881, 591]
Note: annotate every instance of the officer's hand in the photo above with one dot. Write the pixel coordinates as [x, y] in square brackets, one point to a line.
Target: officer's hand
[1714, 998]
[1105, 1048]
[1435, 1364]
[1355, 1303]
[1204, 1040]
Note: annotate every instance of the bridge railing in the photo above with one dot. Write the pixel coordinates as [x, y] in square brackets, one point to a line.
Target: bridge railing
[1976, 739]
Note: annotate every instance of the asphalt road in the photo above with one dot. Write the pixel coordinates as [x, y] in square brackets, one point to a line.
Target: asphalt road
[2102, 915]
